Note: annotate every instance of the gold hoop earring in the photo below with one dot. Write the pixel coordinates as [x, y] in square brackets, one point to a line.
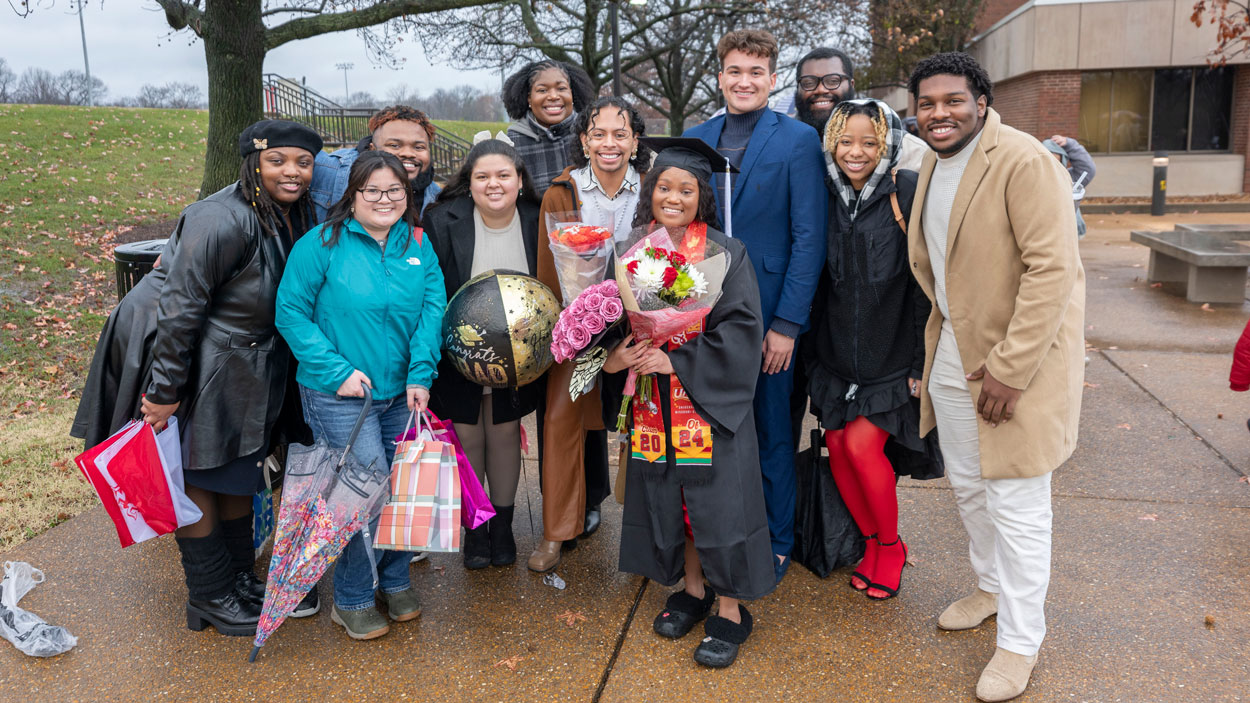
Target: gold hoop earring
[258, 170]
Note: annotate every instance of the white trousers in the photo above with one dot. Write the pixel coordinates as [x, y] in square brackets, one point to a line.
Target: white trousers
[1008, 520]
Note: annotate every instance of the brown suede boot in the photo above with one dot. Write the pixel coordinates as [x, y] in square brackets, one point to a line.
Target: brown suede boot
[969, 611]
[1006, 676]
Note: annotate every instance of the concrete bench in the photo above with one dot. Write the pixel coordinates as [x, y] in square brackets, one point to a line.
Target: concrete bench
[1228, 231]
[1209, 267]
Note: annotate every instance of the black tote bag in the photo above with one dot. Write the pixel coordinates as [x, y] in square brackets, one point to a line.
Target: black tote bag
[825, 535]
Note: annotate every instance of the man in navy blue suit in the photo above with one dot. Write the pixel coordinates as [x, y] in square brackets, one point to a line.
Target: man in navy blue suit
[778, 209]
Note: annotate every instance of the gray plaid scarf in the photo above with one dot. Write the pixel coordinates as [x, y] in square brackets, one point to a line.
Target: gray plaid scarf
[893, 146]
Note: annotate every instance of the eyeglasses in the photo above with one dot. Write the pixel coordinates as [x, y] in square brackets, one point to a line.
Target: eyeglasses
[373, 195]
[831, 81]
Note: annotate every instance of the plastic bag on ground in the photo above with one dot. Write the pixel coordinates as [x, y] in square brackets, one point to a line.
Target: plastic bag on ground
[27, 631]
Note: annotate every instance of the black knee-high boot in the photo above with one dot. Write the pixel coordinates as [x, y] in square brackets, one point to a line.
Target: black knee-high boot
[502, 543]
[213, 598]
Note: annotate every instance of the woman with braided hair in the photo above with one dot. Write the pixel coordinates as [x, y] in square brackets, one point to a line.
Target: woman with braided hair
[867, 358]
[196, 340]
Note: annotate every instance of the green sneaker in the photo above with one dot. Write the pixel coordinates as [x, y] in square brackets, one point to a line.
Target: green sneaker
[402, 606]
[364, 624]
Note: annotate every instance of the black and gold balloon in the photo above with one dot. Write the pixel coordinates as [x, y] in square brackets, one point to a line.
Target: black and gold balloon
[497, 329]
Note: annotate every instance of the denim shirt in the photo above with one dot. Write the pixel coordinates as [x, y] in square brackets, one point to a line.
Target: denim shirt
[329, 181]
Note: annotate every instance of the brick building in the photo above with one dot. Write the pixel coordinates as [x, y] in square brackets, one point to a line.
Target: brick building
[1126, 77]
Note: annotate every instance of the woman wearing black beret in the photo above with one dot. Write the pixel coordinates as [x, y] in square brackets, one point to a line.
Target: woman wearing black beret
[195, 339]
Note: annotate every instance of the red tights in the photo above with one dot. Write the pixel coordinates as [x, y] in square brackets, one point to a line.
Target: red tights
[866, 481]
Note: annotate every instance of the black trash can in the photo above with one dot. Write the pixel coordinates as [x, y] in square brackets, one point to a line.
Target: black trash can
[135, 260]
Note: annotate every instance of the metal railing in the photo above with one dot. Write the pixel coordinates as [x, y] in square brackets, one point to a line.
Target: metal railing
[344, 126]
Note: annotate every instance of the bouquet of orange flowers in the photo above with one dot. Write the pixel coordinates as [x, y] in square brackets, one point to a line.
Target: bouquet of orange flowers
[580, 251]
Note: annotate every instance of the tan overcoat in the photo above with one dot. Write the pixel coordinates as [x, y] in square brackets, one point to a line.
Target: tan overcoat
[1016, 293]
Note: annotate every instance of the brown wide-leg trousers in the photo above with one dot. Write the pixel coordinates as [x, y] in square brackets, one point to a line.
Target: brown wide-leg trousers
[564, 451]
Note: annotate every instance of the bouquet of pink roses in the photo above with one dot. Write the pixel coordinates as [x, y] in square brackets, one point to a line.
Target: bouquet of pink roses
[579, 329]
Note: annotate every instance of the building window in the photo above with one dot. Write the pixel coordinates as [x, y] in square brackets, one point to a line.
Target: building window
[1172, 109]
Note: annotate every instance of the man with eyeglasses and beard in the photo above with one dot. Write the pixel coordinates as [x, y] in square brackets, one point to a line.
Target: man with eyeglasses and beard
[401, 130]
[826, 78]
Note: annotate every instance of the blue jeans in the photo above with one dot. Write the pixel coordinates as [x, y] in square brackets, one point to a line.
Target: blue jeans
[332, 417]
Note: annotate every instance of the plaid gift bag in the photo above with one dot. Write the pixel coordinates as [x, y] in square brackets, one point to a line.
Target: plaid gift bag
[423, 512]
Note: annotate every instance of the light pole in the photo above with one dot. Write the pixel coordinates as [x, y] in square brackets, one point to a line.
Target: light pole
[345, 67]
[85, 64]
[614, 18]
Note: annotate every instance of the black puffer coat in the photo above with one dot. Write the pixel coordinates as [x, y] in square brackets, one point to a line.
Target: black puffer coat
[209, 337]
[870, 313]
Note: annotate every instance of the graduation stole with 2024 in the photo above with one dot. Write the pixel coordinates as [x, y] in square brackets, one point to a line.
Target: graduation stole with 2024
[690, 434]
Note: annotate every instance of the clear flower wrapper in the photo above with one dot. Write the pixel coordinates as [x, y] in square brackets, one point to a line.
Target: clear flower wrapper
[581, 253]
[667, 287]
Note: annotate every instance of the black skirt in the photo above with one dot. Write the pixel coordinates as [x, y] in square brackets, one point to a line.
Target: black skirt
[244, 476]
[887, 405]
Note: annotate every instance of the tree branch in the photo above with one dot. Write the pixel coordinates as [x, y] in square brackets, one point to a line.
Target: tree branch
[291, 10]
[182, 15]
[378, 13]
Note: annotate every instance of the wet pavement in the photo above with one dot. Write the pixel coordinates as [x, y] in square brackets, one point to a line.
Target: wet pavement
[1148, 600]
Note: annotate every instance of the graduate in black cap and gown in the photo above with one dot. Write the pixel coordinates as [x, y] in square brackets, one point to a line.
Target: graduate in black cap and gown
[698, 521]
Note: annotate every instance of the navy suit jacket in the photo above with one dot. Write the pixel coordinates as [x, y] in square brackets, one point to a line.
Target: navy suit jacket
[779, 209]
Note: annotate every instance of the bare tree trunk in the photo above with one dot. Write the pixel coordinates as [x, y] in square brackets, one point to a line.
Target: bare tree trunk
[234, 46]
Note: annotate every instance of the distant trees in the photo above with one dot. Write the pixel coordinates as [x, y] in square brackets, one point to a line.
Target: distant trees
[41, 86]
[668, 47]
[8, 81]
[463, 102]
[175, 94]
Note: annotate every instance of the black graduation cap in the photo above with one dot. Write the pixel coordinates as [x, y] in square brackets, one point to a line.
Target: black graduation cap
[697, 157]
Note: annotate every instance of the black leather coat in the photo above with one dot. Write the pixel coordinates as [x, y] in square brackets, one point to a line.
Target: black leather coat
[450, 228]
[209, 341]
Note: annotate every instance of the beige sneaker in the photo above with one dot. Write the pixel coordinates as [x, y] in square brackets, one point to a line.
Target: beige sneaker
[969, 611]
[1006, 676]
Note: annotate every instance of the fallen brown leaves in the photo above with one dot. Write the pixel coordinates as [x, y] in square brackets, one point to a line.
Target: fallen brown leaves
[571, 618]
[510, 662]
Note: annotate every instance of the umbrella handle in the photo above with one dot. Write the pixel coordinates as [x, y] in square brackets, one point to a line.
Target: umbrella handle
[360, 421]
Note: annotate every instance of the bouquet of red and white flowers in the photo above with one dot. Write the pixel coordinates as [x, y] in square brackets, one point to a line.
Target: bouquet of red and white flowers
[666, 289]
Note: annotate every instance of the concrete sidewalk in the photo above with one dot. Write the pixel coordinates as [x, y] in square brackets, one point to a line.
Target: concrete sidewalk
[1147, 601]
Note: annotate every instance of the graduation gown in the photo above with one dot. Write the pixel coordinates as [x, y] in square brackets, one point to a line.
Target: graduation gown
[726, 500]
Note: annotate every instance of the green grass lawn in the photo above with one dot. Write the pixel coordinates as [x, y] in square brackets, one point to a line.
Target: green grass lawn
[72, 179]
[466, 130]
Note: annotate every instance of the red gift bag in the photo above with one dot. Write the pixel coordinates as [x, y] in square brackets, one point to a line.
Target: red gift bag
[138, 476]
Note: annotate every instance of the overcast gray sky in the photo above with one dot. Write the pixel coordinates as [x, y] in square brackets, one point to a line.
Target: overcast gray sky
[129, 44]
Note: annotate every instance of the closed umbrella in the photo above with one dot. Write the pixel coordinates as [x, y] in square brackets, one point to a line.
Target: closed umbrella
[327, 496]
